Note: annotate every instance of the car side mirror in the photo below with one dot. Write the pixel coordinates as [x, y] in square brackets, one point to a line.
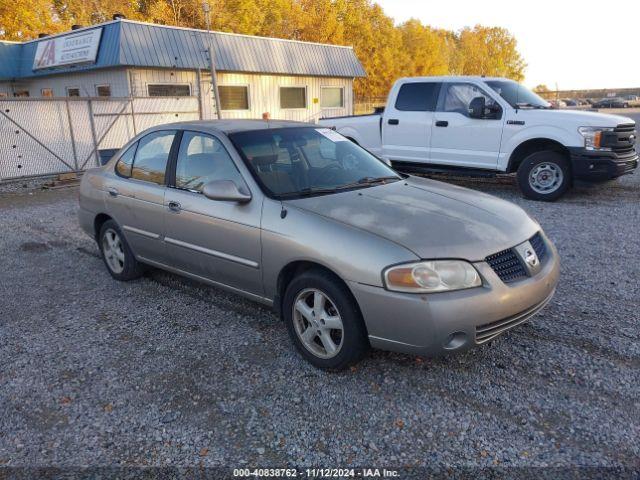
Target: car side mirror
[477, 107]
[226, 190]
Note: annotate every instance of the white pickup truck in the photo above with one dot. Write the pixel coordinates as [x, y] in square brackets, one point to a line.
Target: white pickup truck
[484, 125]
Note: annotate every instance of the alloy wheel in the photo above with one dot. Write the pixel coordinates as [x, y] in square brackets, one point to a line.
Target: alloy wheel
[113, 250]
[318, 323]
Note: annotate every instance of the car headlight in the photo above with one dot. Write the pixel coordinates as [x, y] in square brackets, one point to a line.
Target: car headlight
[593, 137]
[431, 276]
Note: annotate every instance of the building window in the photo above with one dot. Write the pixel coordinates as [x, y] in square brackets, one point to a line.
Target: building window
[103, 90]
[293, 97]
[234, 97]
[46, 92]
[21, 93]
[332, 97]
[168, 90]
[73, 91]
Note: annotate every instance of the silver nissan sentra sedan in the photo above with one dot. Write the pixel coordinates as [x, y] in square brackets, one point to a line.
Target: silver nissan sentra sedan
[349, 252]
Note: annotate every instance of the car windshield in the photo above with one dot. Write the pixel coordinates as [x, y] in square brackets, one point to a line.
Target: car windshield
[305, 161]
[516, 95]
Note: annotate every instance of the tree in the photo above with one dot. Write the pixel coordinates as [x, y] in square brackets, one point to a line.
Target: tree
[542, 88]
[25, 19]
[490, 51]
[386, 51]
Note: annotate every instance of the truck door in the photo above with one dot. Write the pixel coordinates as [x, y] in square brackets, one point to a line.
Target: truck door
[459, 140]
[406, 124]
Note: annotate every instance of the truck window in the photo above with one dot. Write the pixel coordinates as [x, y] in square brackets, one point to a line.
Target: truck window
[458, 96]
[418, 97]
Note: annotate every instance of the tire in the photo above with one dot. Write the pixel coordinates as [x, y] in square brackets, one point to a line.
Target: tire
[351, 341]
[533, 176]
[116, 253]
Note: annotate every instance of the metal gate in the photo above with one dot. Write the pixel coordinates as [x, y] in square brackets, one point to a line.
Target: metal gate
[51, 136]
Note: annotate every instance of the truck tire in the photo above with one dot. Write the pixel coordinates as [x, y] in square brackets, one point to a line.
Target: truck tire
[544, 176]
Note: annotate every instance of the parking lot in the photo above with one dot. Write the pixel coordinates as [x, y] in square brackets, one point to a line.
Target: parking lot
[164, 371]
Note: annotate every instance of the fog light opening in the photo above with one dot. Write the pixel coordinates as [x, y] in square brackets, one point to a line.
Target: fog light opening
[455, 340]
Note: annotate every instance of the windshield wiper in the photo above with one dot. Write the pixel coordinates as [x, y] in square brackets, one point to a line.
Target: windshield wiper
[364, 181]
[308, 191]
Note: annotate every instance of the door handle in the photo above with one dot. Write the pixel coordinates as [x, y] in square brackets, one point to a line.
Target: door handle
[174, 206]
[113, 192]
[393, 121]
[442, 123]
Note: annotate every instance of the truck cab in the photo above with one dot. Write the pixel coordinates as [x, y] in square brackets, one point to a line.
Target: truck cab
[480, 125]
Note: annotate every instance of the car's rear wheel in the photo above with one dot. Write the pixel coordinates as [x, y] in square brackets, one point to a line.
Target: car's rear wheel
[116, 253]
[544, 176]
[324, 321]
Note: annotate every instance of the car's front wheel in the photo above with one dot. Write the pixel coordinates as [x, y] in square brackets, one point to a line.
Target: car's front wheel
[544, 176]
[117, 254]
[324, 321]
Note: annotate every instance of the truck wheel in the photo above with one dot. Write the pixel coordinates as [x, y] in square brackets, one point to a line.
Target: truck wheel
[324, 321]
[544, 176]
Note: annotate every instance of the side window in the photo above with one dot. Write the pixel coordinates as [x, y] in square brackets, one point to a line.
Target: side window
[151, 157]
[418, 97]
[123, 167]
[201, 159]
[458, 96]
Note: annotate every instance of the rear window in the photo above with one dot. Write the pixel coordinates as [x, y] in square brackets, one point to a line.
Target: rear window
[418, 97]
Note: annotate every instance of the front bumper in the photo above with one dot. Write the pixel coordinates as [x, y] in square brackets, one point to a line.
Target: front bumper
[596, 166]
[438, 323]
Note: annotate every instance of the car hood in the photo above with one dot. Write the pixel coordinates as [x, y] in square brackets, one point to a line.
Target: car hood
[579, 118]
[430, 218]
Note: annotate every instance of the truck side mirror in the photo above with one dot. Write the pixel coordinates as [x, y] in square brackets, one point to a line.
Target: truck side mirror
[477, 107]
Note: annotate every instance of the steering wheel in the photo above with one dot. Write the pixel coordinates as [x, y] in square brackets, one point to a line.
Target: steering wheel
[329, 174]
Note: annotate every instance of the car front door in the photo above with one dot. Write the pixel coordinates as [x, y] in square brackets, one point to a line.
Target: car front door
[457, 139]
[216, 240]
[406, 131]
[135, 196]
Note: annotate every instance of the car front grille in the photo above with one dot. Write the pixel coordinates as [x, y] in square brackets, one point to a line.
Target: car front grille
[622, 145]
[508, 265]
[539, 246]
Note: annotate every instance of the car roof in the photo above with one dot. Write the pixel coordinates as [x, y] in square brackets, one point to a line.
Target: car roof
[232, 125]
[453, 78]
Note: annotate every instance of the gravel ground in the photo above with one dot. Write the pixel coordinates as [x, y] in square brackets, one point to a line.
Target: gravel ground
[163, 371]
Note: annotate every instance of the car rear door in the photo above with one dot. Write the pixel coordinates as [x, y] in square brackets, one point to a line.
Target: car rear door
[407, 123]
[459, 140]
[135, 197]
[217, 240]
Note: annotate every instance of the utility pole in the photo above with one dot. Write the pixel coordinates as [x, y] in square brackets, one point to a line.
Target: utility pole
[212, 63]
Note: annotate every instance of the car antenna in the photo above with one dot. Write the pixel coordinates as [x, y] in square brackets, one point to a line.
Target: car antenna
[283, 211]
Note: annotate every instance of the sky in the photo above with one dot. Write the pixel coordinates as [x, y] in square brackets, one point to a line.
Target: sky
[576, 44]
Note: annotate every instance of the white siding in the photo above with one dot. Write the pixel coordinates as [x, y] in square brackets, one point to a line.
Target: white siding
[86, 81]
[264, 90]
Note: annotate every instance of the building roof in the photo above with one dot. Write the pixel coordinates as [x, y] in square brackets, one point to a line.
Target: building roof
[129, 43]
